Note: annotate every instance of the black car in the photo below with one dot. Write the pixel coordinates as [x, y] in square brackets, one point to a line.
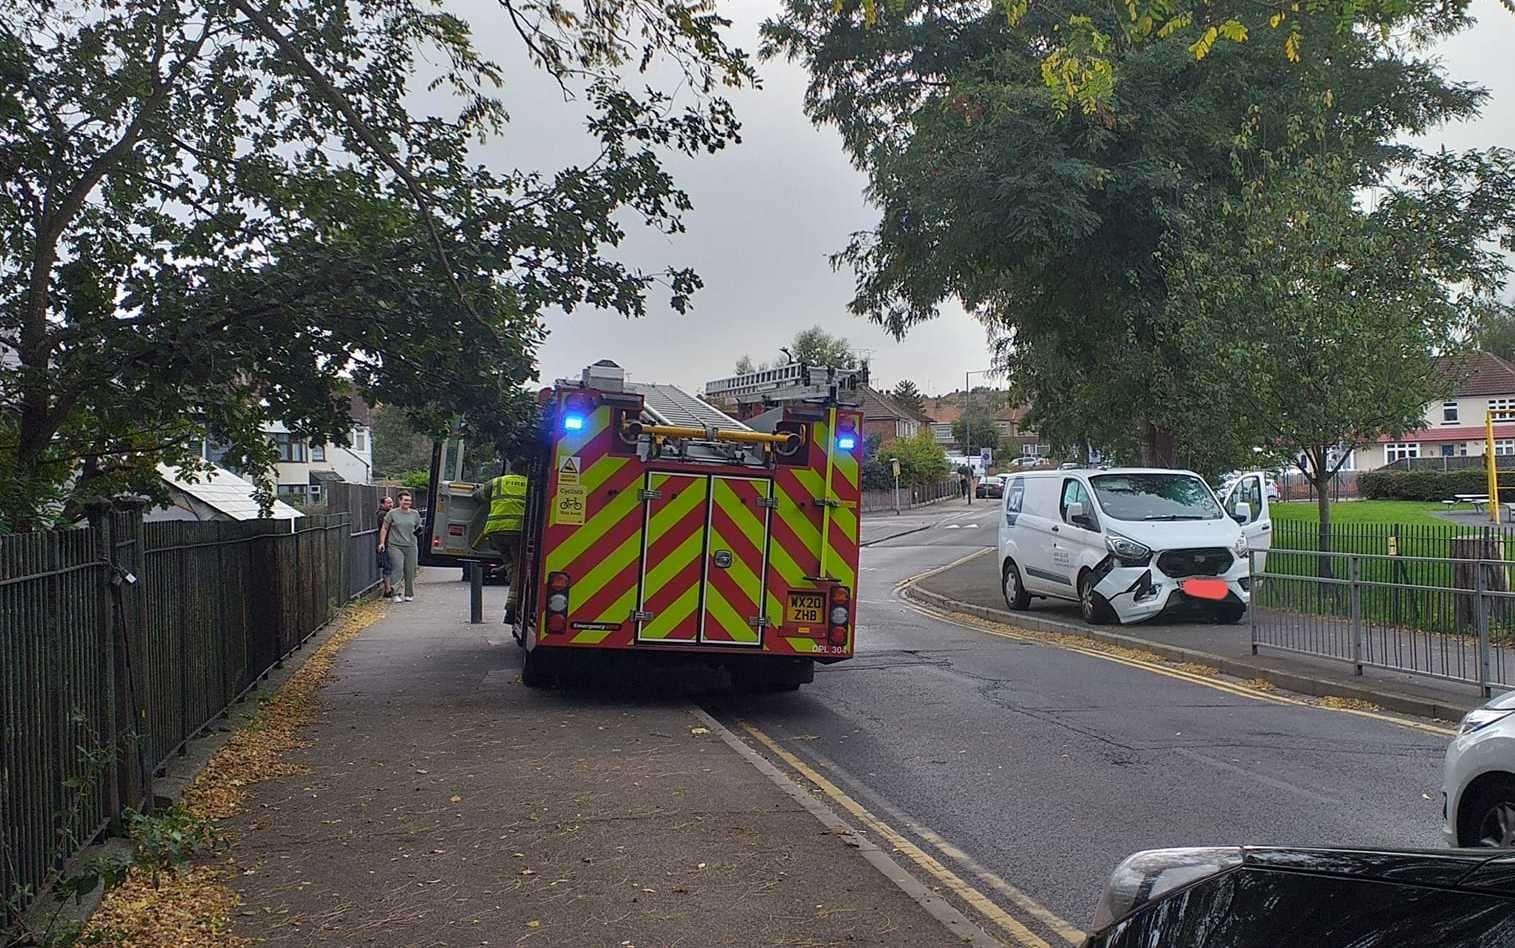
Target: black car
[992, 487]
[1244, 897]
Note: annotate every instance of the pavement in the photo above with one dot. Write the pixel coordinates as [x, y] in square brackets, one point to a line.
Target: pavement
[445, 803]
[974, 587]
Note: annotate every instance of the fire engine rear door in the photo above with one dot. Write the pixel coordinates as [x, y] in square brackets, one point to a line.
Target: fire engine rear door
[736, 559]
[673, 555]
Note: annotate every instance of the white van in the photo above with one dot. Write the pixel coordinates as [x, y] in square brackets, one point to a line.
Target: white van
[1130, 544]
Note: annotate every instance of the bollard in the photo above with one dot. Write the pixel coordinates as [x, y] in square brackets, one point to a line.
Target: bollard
[476, 593]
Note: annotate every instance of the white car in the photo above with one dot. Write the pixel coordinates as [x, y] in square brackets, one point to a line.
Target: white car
[1131, 544]
[1478, 779]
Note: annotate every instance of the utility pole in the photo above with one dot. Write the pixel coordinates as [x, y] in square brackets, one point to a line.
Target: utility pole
[968, 424]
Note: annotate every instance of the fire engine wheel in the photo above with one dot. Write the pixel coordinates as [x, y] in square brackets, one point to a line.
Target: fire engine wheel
[538, 669]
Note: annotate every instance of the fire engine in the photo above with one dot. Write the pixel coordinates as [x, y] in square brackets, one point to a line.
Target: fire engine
[657, 524]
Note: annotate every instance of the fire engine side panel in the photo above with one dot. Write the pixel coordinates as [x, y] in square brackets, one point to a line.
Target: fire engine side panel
[594, 530]
[795, 561]
[673, 562]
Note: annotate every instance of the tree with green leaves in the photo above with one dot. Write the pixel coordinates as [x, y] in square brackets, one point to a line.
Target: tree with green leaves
[909, 396]
[1046, 223]
[745, 366]
[1315, 323]
[922, 460]
[815, 346]
[976, 430]
[1495, 330]
[216, 216]
[397, 445]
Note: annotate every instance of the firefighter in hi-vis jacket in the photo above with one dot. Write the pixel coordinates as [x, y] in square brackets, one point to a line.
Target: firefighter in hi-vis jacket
[502, 511]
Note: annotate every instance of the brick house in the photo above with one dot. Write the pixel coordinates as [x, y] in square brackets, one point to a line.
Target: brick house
[887, 418]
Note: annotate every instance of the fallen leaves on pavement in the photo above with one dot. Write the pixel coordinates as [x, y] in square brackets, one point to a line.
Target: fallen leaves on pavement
[192, 906]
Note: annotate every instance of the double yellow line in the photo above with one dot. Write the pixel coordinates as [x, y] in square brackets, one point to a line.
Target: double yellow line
[1158, 668]
[1020, 934]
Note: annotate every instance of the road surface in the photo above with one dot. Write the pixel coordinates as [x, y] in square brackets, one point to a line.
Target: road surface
[1025, 771]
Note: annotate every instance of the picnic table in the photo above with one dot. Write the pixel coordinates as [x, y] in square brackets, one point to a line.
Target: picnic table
[1480, 503]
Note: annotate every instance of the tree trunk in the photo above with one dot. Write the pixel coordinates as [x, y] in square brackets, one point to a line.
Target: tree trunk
[1159, 447]
[1320, 478]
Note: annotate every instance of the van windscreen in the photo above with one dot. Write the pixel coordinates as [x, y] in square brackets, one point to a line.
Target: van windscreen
[1155, 497]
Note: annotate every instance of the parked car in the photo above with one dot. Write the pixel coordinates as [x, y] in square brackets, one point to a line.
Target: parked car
[1027, 461]
[992, 486]
[1478, 778]
[1244, 897]
[1130, 544]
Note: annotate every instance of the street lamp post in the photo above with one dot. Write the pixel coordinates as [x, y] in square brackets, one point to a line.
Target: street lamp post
[968, 423]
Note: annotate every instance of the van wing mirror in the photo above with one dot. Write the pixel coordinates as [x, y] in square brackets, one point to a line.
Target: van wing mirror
[1243, 512]
[1077, 516]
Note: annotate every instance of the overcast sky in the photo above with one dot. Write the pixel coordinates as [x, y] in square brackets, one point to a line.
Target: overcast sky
[769, 211]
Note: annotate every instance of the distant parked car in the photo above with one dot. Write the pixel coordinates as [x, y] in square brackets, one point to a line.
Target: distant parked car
[1478, 779]
[1245, 897]
[1022, 463]
[992, 486]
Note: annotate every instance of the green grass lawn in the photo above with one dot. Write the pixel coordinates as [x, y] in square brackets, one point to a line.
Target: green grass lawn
[1367, 511]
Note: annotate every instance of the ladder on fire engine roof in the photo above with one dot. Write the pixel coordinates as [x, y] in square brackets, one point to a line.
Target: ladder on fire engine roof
[671, 405]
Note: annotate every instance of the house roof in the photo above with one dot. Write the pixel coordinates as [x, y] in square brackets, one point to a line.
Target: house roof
[361, 411]
[1462, 433]
[1478, 373]
[948, 409]
[226, 493]
[880, 407]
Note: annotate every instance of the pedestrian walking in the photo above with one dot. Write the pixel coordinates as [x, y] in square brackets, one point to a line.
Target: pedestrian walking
[398, 538]
[386, 575]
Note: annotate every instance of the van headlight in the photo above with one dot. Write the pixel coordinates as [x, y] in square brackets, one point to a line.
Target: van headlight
[1480, 718]
[1127, 550]
[1148, 876]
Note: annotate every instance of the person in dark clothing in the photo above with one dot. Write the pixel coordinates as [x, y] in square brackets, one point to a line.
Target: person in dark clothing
[386, 575]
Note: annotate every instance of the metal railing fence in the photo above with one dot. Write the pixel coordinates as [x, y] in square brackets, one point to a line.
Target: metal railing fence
[122, 641]
[909, 497]
[1450, 618]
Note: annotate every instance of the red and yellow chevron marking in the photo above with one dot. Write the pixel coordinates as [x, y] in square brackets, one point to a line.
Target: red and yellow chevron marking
[734, 594]
[602, 555]
[673, 566]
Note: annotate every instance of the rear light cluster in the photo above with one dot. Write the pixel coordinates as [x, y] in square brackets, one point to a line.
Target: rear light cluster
[557, 602]
[840, 614]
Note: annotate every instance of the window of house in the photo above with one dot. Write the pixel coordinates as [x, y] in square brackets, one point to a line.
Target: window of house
[1398, 452]
[1457, 450]
[318, 452]
[1448, 413]
[1502, 407]
[291, 449]
[360, 440]
[1504, 448]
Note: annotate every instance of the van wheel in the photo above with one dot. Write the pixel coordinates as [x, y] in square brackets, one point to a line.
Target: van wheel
[1016, 596]
[1095, 609]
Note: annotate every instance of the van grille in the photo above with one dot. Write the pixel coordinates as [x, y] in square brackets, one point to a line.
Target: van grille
[1204, 561]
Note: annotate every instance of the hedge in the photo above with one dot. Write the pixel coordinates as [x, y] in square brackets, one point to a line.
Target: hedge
[1428, 486]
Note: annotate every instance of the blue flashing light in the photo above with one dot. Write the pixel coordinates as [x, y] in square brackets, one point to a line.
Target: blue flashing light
[573, 422]
[846, 442]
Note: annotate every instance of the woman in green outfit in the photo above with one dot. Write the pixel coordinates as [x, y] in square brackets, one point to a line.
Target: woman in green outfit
[398, 537]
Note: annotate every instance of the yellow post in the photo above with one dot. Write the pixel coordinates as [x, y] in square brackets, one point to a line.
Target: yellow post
[1492, 465]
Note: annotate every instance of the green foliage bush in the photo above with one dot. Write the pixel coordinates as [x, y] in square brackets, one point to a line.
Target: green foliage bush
[1427, 486]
